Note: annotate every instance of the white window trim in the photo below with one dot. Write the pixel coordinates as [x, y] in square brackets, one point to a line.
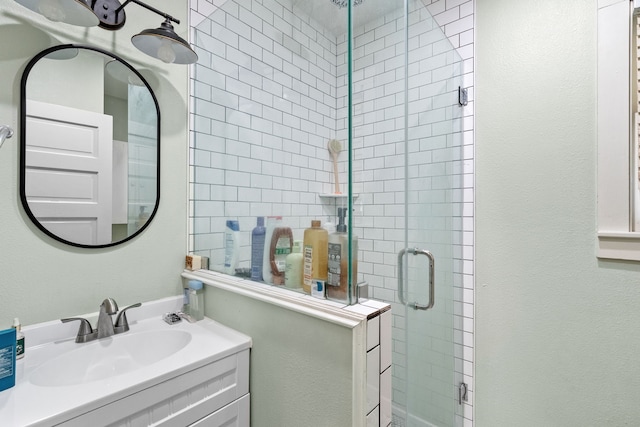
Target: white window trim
[615, 236]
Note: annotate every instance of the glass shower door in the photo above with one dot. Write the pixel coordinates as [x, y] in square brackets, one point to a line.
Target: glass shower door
[407, 168]
[433, 141]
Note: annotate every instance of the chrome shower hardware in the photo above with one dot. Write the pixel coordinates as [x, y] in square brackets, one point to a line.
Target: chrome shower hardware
[432, 266]
[343, 3]
[463, 96]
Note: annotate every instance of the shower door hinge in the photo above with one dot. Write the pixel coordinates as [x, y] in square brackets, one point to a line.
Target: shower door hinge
[462, 393]
[463, 97]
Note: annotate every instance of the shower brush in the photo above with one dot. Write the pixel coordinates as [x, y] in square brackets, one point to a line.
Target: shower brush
[335, 147]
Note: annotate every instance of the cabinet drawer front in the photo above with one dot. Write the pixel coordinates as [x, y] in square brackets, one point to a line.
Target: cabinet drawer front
[178, 401]
[235, 414]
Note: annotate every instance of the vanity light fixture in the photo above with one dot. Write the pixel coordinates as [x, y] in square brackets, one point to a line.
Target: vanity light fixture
[162, 43]
[74, 12]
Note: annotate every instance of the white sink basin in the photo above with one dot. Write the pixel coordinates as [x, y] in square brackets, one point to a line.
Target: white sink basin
[109, 357]
[59, 380]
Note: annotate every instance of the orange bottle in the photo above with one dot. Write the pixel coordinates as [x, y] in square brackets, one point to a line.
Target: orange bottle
[316, 241]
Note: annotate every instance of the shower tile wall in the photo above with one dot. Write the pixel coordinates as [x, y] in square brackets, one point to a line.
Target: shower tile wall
[263, 112]
[269, 94]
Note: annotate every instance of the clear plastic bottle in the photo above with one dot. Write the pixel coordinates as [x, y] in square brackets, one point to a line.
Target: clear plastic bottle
[196, 299]
[185, 300]
[272, 222]
[294, 266]
[257, 249]
[315, 255]
[280, 248]
[231, 246]
[338, 263]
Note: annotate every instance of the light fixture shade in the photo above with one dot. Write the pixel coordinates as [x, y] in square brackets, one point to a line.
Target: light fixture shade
[121, 73]
[163, 43]
[74, 12]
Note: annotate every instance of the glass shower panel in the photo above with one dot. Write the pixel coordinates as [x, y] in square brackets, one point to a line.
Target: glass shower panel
[268, 99]
[407, 151]
[275, 82]
[433, 155]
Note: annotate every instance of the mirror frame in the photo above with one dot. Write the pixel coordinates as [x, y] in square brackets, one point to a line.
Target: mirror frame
[23, 143]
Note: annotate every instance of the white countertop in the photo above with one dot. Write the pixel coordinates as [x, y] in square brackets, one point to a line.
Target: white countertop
[28, 404]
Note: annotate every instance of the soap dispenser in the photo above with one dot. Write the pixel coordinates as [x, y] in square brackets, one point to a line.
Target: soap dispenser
[196, 299]
[338, 262]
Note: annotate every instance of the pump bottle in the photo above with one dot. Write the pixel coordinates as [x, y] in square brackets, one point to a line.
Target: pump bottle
[338, 263]
[315, 255]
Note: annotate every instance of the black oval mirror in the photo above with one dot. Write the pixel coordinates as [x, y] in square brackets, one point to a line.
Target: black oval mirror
[89, 146]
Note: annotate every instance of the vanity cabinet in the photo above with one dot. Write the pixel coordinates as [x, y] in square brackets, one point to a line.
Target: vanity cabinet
[215, 394]
[158, 374]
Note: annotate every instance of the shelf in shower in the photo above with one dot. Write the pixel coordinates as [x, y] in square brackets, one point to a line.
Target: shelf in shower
[336, 196]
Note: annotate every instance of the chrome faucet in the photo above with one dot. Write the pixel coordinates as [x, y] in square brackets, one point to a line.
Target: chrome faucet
[105, 323]
[105, 327]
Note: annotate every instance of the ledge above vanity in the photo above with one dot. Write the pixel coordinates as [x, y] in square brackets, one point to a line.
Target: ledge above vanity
[327, 310]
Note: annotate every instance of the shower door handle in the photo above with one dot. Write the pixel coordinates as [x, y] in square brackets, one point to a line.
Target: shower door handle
[432, 266]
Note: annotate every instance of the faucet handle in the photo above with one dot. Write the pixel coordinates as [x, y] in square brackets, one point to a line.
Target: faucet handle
[85, 332]
[122, 325]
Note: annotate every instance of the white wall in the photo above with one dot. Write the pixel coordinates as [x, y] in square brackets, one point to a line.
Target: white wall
[557, 336]
[41, 279]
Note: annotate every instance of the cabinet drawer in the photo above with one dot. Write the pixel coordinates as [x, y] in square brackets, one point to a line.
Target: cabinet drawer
[235, 414]
[178, 401]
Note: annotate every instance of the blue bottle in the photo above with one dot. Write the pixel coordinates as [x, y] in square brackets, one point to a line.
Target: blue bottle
[7, 358]
[257, 249]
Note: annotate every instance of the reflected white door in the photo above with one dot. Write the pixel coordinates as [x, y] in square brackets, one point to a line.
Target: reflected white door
[68, 180]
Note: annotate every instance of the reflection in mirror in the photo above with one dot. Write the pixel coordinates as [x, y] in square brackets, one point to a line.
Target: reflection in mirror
[90, 146]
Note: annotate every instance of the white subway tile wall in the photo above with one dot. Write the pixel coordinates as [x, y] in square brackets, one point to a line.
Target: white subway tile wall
[268, 92]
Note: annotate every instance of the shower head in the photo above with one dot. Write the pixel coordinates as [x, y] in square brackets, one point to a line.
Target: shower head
[343, 3]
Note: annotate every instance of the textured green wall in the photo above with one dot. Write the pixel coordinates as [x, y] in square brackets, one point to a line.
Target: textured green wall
[557, 336]
[301, 367]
